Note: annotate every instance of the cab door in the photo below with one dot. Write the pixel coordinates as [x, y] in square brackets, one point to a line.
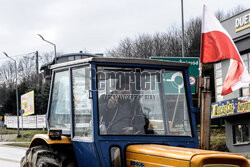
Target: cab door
[82, 110]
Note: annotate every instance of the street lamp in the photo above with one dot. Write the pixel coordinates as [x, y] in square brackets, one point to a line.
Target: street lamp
[182, 25]
[49, 43]
[17, 110]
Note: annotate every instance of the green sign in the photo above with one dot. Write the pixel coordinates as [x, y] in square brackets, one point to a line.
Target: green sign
[173, 83]
[193, 70]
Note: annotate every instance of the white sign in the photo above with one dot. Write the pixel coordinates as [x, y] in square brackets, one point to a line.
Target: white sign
[242, 22]
[29, 122]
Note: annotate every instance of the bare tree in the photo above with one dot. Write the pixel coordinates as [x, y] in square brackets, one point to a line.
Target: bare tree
[27, 68]
[47, 57]
[221, 15]
[173, 38]
[8, 74]
[193, 37]
[143, 46]
[159, 45]
[3, 92]
[168, 44]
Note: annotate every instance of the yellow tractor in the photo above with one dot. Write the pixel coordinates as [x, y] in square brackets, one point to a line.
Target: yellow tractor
[122, 112]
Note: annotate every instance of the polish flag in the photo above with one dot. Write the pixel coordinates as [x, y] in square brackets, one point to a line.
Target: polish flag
[217, 45]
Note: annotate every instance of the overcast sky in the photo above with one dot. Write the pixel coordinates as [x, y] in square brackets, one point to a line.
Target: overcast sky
[92, 25]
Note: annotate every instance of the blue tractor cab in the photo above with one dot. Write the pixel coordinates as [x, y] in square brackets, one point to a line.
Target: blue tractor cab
[152, 112]
[99, 106]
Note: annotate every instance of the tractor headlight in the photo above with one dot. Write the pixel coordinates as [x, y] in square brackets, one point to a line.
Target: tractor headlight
[55, 134]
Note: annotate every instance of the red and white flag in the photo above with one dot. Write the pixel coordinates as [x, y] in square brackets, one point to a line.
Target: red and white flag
[217, 45]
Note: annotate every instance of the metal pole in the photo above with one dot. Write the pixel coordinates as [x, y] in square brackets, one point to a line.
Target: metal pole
[17, 104]
[182, 21]
[22, 126]
[55, 53]
[37, 69]
[17, 100]
[49, 43]
[37, 65]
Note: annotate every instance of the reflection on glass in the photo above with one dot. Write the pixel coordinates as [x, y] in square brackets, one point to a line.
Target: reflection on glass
[241, 133]
[82, 105]
[60, 105]
[148, 102]
[115, 157]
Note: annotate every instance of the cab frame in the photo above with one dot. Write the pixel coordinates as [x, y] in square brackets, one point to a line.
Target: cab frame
[99, 146]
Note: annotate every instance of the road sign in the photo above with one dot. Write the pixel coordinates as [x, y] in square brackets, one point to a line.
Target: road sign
[173, 83]
[21, 111]
[193, 69]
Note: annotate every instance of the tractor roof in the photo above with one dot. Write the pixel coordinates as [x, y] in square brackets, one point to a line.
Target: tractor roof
[120, 60]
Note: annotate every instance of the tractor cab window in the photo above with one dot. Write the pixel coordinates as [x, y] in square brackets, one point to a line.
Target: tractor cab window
[82, 104]
[142, 102]
[59, 115]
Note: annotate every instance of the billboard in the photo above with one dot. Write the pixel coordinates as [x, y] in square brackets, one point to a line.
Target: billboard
[231, 107]
[27, 103]
[193, 69]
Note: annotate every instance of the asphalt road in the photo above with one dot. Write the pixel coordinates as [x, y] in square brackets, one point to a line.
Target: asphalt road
[10, 156]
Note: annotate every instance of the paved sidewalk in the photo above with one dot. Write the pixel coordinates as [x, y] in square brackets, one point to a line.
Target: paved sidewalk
[7, 137]
[9, 142]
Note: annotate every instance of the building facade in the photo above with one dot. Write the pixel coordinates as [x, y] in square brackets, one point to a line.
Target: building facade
[234, 108]
[238, 27]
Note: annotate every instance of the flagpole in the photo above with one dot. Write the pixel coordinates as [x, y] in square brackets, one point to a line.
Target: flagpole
[201, 53]
[200, 86]
[204, 97]
[200, 82]
[200, 72]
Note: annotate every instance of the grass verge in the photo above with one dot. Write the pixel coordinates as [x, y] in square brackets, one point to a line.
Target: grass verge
[218, 139]
[26, 144]
[26, 135]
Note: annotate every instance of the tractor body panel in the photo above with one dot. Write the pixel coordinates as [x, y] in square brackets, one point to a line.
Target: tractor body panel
[159, 155]
[87, 154]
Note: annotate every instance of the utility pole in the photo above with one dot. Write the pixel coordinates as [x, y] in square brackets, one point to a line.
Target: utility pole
[182, 23]
[205, 114]
[37, 68]
[37, 65]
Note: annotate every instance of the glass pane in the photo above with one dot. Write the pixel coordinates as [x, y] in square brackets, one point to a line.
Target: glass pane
[152, 106]
[142, 102]
[176, 103]
[217, 66]
[241, 133]
[115, 157]
[82, 105]
[60, 105]
[218, 73]
[70, 58]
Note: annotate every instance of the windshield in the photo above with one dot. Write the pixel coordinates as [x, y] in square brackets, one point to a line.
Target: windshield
[142, 102]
